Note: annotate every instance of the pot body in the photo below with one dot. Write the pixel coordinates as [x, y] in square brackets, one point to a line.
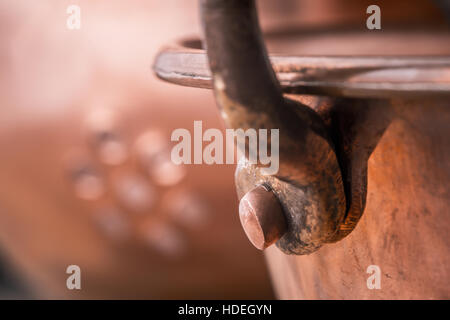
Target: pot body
[405, 226]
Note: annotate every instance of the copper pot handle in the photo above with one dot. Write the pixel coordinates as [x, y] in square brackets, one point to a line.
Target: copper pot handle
[308, 184]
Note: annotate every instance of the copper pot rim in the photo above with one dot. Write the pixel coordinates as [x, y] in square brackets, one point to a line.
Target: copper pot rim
[356, 76]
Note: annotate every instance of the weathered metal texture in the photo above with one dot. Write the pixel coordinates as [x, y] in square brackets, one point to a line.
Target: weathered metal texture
[387, 117]
[308, 183]
[405, 226]
[262, 217]
[351, 120]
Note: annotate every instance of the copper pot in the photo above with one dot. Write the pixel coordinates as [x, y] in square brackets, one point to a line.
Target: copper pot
[363, 120]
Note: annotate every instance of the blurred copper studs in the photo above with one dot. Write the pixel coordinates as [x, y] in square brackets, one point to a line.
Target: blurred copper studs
[87, 182]
[112, 222]
[166, 240]
[105, 138]
[135, 193]
[188, 208]
[154, 155]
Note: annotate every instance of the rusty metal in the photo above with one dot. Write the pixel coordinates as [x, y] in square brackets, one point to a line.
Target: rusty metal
[325, 145]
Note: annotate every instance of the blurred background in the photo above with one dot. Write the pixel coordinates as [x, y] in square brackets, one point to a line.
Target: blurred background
[85, 171]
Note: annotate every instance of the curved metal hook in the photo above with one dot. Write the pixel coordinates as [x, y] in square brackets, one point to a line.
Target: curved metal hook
[237, 55]
[309, 182]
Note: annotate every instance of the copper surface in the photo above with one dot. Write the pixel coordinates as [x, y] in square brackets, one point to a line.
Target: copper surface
[80, 122]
